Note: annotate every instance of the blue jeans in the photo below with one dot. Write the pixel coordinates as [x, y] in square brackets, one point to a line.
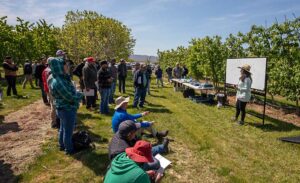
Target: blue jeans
[158, 149]
[139, 96]
[67, 123]
[112, 92]
[105, 94]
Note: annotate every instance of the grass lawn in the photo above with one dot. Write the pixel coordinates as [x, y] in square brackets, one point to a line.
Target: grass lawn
[207, 147]
[13, 103]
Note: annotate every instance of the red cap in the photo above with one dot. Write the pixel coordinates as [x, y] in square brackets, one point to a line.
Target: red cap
[90, 59]
[140, 152]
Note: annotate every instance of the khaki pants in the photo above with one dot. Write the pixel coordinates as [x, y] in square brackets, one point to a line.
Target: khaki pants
[150, 129]
[53, 110]
[28, 77]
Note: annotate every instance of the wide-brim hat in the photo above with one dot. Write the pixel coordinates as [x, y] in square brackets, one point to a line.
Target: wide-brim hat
[120, 101]
[246, 68]
[60, 53]
[140, 152]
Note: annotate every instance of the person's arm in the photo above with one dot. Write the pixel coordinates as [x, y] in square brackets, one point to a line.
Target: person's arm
[246, 85]
[143, 178]
[133, 116]
[6, 66]
[65, 93]
[85, 76]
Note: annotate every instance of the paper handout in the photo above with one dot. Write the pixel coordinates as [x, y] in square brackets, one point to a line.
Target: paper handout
[164, 163]
[89, 93]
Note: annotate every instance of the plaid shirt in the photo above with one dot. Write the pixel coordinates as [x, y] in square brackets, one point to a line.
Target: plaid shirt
[62, 88]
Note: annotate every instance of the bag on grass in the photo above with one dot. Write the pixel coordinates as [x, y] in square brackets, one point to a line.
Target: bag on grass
[188, 93]
[81, 140]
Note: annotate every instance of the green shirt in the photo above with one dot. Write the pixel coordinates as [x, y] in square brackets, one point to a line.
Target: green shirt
[125, 170]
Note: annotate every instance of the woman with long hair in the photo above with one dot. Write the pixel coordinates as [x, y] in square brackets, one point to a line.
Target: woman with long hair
[243, 93]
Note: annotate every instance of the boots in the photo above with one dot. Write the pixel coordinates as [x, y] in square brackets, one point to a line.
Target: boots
[162, 134]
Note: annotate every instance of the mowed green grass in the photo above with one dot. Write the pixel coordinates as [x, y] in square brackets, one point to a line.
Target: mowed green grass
[206, 146]
[13, 103]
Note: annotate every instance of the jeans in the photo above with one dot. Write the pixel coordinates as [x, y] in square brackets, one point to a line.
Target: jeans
[240, 107]
[67, 124]
[155, 165]
[28, 77]
[122, 84]
[159, 80]
[139, 96]
[44, 95]
[112, 92]
[148, 85]
[105, 93]
[11, 85]
[91, 100]
[169, 78]
[158, 149]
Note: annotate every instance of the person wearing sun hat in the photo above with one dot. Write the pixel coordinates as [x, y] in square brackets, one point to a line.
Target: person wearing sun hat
[127, 165]
[121, 115]
[243, 94]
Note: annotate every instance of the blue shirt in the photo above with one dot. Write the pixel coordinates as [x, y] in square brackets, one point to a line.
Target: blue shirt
[121, 115]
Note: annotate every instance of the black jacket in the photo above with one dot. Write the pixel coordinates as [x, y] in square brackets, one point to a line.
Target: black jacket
[122, 70]
[39, 70]
[118, 145]
[139, 81]
[103, 76]
[78, 69]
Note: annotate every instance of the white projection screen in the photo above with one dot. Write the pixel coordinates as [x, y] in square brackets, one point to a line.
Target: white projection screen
[258, 70]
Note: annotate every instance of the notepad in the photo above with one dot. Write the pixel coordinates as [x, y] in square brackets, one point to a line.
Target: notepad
[164, 163]
[89, 93]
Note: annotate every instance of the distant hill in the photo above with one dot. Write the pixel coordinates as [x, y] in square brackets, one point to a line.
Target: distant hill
[144, 58]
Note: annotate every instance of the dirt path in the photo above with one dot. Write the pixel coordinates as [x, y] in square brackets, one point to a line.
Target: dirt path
[21, 136]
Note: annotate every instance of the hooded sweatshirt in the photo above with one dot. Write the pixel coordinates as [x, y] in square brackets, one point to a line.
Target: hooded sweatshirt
[62, 88]
[125, 170]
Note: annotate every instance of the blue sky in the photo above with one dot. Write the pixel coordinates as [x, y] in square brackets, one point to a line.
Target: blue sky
[162, 24]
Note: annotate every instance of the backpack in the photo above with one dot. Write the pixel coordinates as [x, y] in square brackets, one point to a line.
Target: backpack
[27, 68]
[188, 93]
[81, 140]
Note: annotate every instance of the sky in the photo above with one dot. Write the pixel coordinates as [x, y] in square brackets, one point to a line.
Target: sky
[162, 24]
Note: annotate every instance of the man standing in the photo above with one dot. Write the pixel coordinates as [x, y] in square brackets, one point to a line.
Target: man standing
[169, 72]
[159, 74]
[114, 74]
[104, 81]
[149, 73]
[177, 71]
[10, 71]
[185, 71]
[122, 74]
[89, 73]
[28, 74]
[140, 84]
[78, 72]
[38, 74]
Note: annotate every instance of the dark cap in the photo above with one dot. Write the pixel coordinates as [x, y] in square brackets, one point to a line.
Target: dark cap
[103, 62]
[8, 57]
[126, 127]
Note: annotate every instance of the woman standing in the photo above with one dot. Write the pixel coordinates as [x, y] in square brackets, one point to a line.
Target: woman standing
[243, 94]
[66, 101]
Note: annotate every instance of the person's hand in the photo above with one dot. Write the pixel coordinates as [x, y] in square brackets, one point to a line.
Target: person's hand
[87, 89]
[158, 177]
[151, 174]
[110, 80]
[145, 113]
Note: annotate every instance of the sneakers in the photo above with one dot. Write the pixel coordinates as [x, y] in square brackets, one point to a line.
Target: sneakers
[162, 134]
[241, 122]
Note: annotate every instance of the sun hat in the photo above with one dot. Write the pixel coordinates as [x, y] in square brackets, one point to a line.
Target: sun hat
[246, 68]
[60, 53]
[140, 152]
[90, 59]
[128, 126]
[120, 101]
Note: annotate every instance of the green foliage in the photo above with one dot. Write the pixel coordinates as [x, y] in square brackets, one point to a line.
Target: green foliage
[280, 42]
[87, 33]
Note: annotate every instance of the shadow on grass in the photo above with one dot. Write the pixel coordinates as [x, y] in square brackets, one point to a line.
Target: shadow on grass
[6, 127]
[274, 125]
[6, 172]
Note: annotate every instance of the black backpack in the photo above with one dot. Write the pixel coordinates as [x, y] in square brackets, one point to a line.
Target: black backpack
[81, 140]
[188, 93]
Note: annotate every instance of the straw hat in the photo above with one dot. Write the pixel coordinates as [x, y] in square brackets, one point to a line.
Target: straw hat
[246, 68]
[120, 101]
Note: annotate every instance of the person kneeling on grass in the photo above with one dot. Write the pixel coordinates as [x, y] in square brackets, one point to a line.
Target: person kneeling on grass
[121, 115]
[66, 102]
[126, 167]
[126, 137]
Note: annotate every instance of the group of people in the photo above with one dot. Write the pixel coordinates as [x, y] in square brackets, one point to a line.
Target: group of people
[126, 148]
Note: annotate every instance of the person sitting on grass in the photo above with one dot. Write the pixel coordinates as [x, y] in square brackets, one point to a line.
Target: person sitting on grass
[126, 137]
[66, 102]
[121, 115]
[127, 165]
